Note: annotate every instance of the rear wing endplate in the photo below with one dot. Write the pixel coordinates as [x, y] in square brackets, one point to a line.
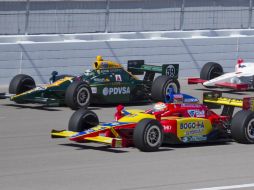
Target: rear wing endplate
[215, 100]
[138, 67]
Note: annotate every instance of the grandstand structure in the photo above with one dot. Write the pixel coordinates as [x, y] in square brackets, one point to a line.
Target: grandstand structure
[38, 36]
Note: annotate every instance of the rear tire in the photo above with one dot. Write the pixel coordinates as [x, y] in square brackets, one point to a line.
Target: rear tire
[77, 95]
[82, 120]
[21, 83]
[242, 129]
[211, 70]
[161, 85]
[148, 135]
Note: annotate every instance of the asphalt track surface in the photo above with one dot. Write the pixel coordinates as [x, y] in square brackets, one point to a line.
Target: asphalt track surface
[30, 159]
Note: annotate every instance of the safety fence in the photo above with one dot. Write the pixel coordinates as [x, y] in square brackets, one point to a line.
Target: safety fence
[85, 16]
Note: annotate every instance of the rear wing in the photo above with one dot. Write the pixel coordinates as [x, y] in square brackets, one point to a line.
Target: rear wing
[138, 67]
[215, 100]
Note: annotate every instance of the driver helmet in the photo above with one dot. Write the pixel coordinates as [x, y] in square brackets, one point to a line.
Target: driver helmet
[87, 72]
[99, 58]
[160, 106]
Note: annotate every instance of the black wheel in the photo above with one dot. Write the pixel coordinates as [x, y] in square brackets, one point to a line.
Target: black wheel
[148, 135]
[21, 83]
[82, 120]
[211, 70]
[77, 95]
[242, 128]
[161, 85]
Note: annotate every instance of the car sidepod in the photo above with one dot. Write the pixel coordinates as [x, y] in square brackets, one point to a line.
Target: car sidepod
[193, 129]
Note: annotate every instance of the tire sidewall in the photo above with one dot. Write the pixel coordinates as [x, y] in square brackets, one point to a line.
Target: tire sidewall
[141, 132]
[147, 132]
[17, 83]
[207, 70]
[77, 95]
[245, 128]
[73, 91]
[239, 126]
[77, 120]
[160, 87]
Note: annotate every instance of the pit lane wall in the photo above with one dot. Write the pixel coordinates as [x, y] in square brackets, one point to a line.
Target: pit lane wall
[39, 55]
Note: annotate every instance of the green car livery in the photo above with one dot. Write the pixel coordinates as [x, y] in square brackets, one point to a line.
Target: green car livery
[107, 83]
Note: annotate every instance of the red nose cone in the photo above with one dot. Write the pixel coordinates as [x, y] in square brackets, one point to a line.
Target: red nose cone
[239, 61]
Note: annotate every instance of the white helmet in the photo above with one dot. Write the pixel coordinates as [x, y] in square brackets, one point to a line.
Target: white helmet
[160, 106]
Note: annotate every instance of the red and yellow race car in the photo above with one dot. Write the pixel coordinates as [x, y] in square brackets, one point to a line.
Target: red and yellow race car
[166, 123]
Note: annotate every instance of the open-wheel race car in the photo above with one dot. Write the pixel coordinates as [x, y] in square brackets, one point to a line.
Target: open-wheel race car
[173, 123]
[212, 75]
[107, 83]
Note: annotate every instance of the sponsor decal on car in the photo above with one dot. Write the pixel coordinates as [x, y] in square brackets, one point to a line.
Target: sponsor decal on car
[194, 138]
[196, 113]
[115, 90]
[94, 90]
[193, 127]
[118, 78]
[170, 71]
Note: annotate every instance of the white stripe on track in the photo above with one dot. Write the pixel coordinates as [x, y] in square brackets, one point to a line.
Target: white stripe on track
[228, 187]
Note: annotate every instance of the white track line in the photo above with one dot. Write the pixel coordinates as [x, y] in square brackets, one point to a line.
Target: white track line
[228, 187]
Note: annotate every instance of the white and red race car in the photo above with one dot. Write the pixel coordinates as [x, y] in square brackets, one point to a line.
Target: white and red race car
[212, 75]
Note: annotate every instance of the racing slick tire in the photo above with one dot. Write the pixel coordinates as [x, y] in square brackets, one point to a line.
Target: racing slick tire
[82, 120]
[161, 85]
[242, 128]
[148, 135]
[77, 95]
[21, 83]
[211, 70]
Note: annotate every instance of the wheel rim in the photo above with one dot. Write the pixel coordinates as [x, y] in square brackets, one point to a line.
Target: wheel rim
[250, 129]
[83, 96]
[171, 85]
[215, 72]
[153, 136]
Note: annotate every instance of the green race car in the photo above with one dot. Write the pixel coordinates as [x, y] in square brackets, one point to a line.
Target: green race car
[107, 83]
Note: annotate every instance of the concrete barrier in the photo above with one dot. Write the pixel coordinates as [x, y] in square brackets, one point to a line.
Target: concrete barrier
[39, 55]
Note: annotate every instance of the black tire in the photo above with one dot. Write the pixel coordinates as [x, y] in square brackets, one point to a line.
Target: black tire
[242, 128]
[211, 70]
[148, 135]
[82, 120]
[77, 95]
[21, 83]
[160, 87]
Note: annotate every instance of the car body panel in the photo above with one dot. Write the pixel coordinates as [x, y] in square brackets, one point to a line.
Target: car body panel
[109, 82]
[241, 79]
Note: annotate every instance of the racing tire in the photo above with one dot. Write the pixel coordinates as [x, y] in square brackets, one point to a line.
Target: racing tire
[77, 95]
[242, 128]
[161, 85]
[82, 120]
[148, 135]
[211, 70]
[21, 83]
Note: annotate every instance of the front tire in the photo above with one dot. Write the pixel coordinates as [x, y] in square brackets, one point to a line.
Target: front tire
[161, 85]
[82, 120]
[77, 95]
[242, 129]
[21, 83]
[148, 135]
[211, 70]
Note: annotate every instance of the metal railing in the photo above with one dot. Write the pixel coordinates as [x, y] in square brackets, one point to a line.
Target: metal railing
[83, 16]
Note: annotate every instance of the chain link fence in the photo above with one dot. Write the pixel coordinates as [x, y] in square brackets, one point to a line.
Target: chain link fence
[85, 16]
